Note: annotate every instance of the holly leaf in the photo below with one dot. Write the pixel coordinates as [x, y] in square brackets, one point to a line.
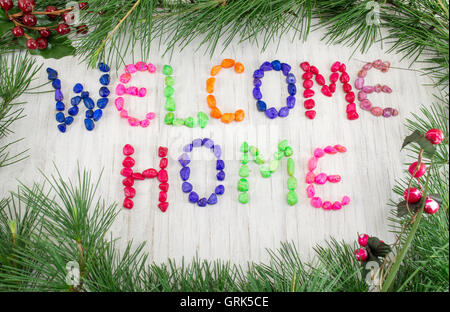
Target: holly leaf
[403, 210]
[58, 47]
[377, 247]
[417, 137]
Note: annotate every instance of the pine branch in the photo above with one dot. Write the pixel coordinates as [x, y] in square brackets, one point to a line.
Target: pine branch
[16, 74]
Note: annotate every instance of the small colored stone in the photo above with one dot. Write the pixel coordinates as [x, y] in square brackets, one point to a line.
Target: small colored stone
[167, 70]
[186, 187]
[73, 111]
[283, 145]
[125, 78]
[261, 106]
[170, 104]
[266, 66]
[105, 79]
[168, 91]
[227, 118]
[345, 200]
[103, 67]
[193, 197]
[243, 198]
[68, 120]
[217, 150]
[89, 103]
[243, 185]
[254, 150]
[89, 124]
[56, 84]
[318, 153]
[244, 147]
[142, 92]
[336, 206]
[265, 171]
[220, 189]
[271, 112]
[273, 165]
[326, 205]
[89, 113]
[102, 102]
[244, 159]
[184, 159]
[290, 102]
[316, 202]
[291, 167]
[189, 122]
[212, 200]
[239, 115]
[310, 177]
[151, 68]
[292, 183]
[60, 117]
[330, 150]
[221, 175]
[276, 65]
[78, 88]
[75, 100]
[321, 178]
[292, 198]
[227, 63]
[283, 112]
[163, 176]
[58, 95]
[310, 191]
[60, 106]
[312, 163]
[334, 178]
[257, 93]
[288, 151]
[376, 111]
[168, 119]
[185, 173]
[220, 164]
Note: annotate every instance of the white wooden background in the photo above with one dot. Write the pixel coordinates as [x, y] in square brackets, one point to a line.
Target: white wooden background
[229, 230]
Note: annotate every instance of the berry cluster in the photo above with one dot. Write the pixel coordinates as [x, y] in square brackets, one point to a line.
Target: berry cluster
[371, 248]
[417, 169]
[26, 20]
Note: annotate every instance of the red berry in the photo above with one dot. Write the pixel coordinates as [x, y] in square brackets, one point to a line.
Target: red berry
[49, 9]
[83, 5]
[361, 254]
[420, 172]
[6, 4]
[414, 195]
[18, 31]
[45, 32]
[63, 29]
[26, 6]
[435, 136]
[68, 18]
[29, 19]
[431, 206]
[82, 29]
[42, 43]
[32, 44]
[363, 239]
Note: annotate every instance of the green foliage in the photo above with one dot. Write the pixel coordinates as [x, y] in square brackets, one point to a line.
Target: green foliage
[16, 74]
